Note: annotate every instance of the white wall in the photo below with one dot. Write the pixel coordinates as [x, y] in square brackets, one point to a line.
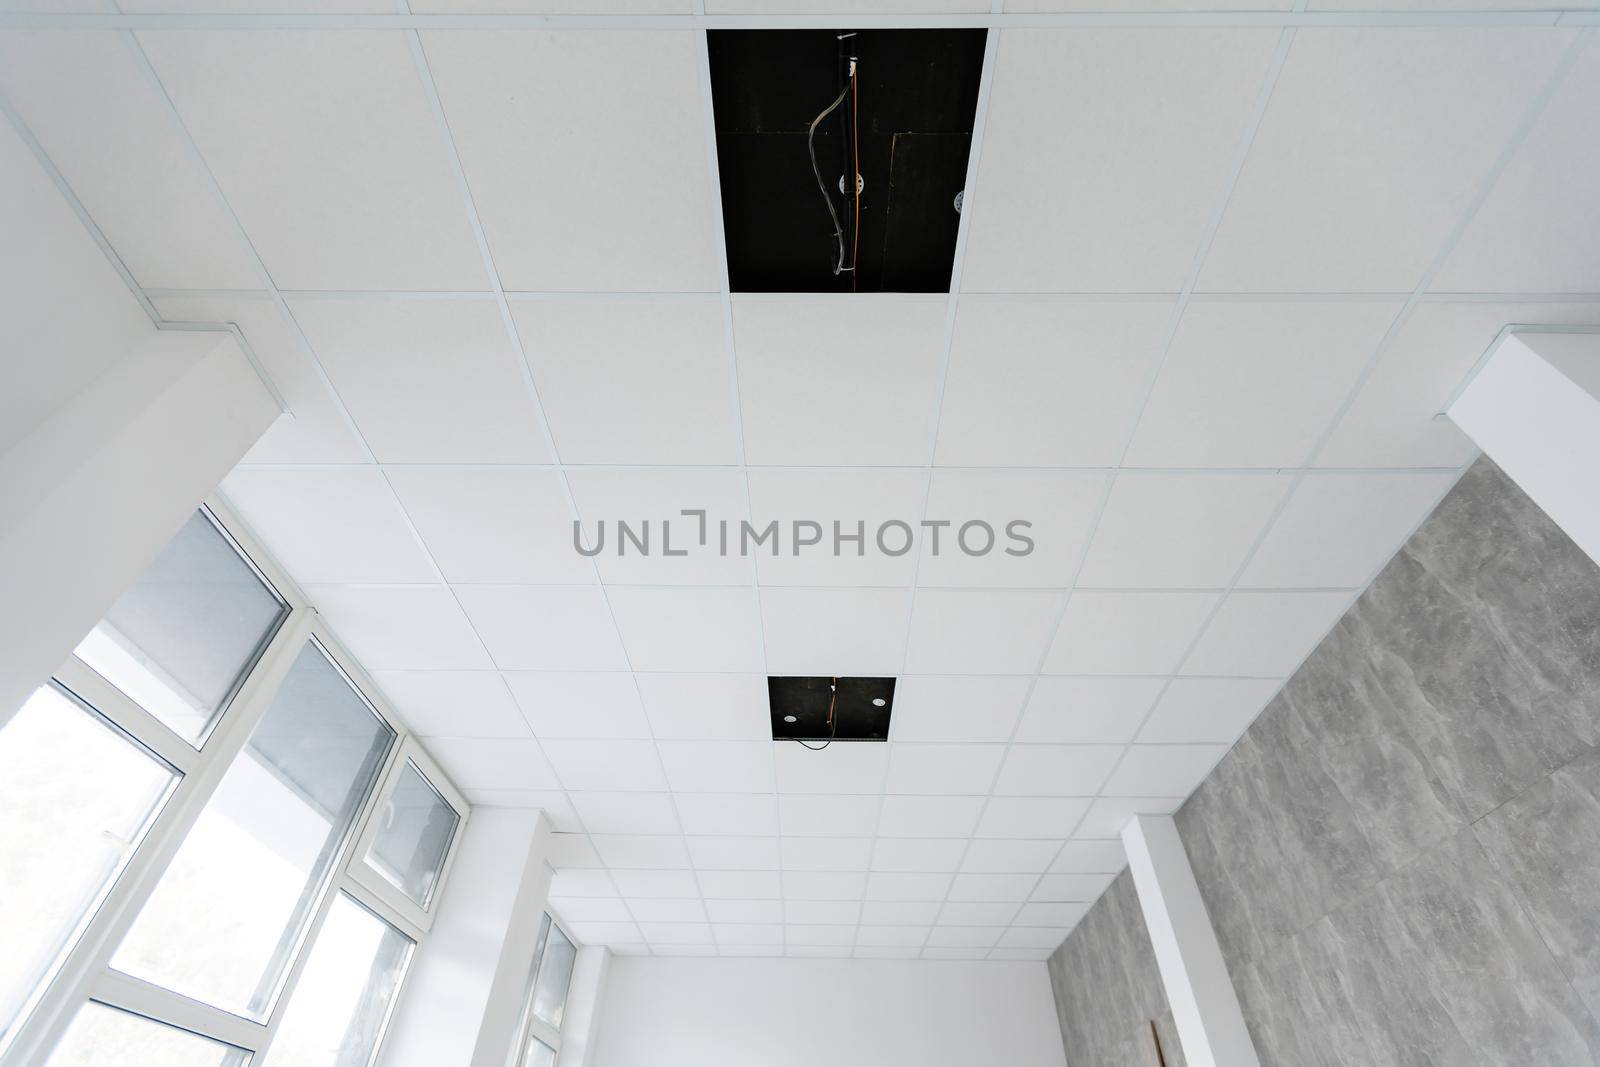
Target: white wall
[670, 1012]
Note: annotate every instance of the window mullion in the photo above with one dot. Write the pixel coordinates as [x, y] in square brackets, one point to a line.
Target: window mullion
[152, 1001]
[113, 705]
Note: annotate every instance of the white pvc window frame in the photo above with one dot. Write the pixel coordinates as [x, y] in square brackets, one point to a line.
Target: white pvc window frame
[84, 974]
[531, 1027]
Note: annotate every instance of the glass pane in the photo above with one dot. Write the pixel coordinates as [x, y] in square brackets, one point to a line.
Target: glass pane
[107, 1037]
[555, 973]
[341, 1002]
[538, 1054]
[75, 798]
[225, 919]
[417, 828]
[182, 635]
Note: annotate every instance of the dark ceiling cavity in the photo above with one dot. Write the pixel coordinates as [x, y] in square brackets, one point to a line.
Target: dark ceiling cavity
[794, 110]
[819, 711]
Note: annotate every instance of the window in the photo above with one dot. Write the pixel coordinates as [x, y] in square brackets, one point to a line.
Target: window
[539, 1029]
[106, 1037]
[415, 830]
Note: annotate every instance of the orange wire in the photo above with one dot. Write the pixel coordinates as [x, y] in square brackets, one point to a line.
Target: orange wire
[855, 156]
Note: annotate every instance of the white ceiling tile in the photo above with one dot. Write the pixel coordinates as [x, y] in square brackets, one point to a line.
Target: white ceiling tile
[544, 627]
[891, 936]
[1373, 145]
[1016, 954]
[706, 707]
[1047, 382]
[592, 909]
[588, 704]
[1170, 105]
[667, 911]
[828, 632]
[1208, 709]
[1233, 393]
[761, 950]
[1033, 939]
[419, 627]
[564, 209]
[1009, 527]
[1087, 710]
[619, 949]
[808, 503]
[650, 503]
[427, 381]
[577, 883]
[1009, 857]
[992, 886]
[1265, 635]
[903, 913]
[929, 816]
[830, 912]
[328, 150]
[753, 934]
[921, 855]
[826, 853]
[626, 813]
[897, 886]
[989, 632]
[693, 948]
[856, 767]
[640, 850]
[1340, 529]
[340, 526]
[622, 380]
[568, 851]
[828, 816]
[553, 802]
[453, 703]
[1154, 769]
[493, 525]
[725, 813]
[836, 935]
[493, 763]
[735, 853]
[1090, 857]
[718, 766]
[604, 766]
[1060, 914]
[877, 952]
[1127, 633]
[933, 769]
[1108, 815]
[745, 911]
[658, 884]
[605, 933]
[846, 381]
[1056, 770]
[947, 707]
[688, 629]
[964, 936]
[552, 7]
[740, 885]
[942, 952]
[1024, 817]
[1179, 530]
[977, 913]
[1072, 888]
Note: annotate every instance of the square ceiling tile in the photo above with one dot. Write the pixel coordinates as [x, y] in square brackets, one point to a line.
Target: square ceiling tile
[1179, 531]
[740, 885]
[827, 853]
[1071, 888]
[903, 913]
[544, 627]
[1170, 105]
[1265, 635]
[625, 380]
[1010, 857]
[827, 632]
[667, 911]
[607, 766]
[493, 763]
[641, 851]
[824, 885]
[568, 851]
[828, 816]
[1087, 710]
[891, 936]
[1056, 770]
[995, 887]
[876, 952]
[341, 526]
[839, 380]
[915, 854]
[896, 887]
[1047, 382]
[929, 816]
[1032, 938]
[1059, 914]
[718, 766]
[582, 884]
[1208, 709]
[831, 912]
[427, 381]
[1374, 144]
[1154, 769]
[941, 952]
[845, 511]
[562, 208]
[735, 853]
[1090, 857]
[418, 627]
[453, 703]
[1127, 633]
[626, 813]
[655, 884]
[493, 525]
[745, 911]
[662, 545]
[706, 707]
[1008, 527]
[752, 934]
[727, 813]
[981, 632]
[1232, 393]
[1031, 817]
[688, 629]
[1340, 529]
[848, 767]
[977, 913]
[578, 909]
[309, 133]
[606, 933]
[948, 707]
[934, 769]
[965, 936]
[1108, 815]
[586, 704]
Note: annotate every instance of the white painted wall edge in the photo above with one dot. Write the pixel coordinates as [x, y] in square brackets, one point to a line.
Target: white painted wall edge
[585, 1001]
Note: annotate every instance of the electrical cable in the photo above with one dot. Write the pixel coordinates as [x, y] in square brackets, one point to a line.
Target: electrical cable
[811, 147]
[833, 725]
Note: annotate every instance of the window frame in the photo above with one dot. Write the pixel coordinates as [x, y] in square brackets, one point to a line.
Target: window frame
[532, 1028]
[84, 973]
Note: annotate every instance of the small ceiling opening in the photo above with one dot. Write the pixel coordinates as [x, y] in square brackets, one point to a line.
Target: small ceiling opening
[819, 711]
[799, 112]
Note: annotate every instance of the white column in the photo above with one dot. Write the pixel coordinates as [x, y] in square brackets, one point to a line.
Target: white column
[1204, 1006]
[94, 489]
[464, 995]
[1533, 405]
[580, 1020]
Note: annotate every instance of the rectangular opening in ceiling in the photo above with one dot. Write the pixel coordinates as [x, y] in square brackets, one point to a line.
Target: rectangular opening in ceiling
[830, 709]
[898, 104]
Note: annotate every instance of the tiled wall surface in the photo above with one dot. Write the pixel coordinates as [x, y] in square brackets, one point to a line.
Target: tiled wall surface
[1402, 856]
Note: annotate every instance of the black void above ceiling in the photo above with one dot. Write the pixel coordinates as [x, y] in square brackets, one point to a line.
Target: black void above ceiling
[906, 115]
[830, 709]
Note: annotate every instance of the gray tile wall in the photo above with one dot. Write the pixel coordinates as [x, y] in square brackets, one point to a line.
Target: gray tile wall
[1401, 856]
